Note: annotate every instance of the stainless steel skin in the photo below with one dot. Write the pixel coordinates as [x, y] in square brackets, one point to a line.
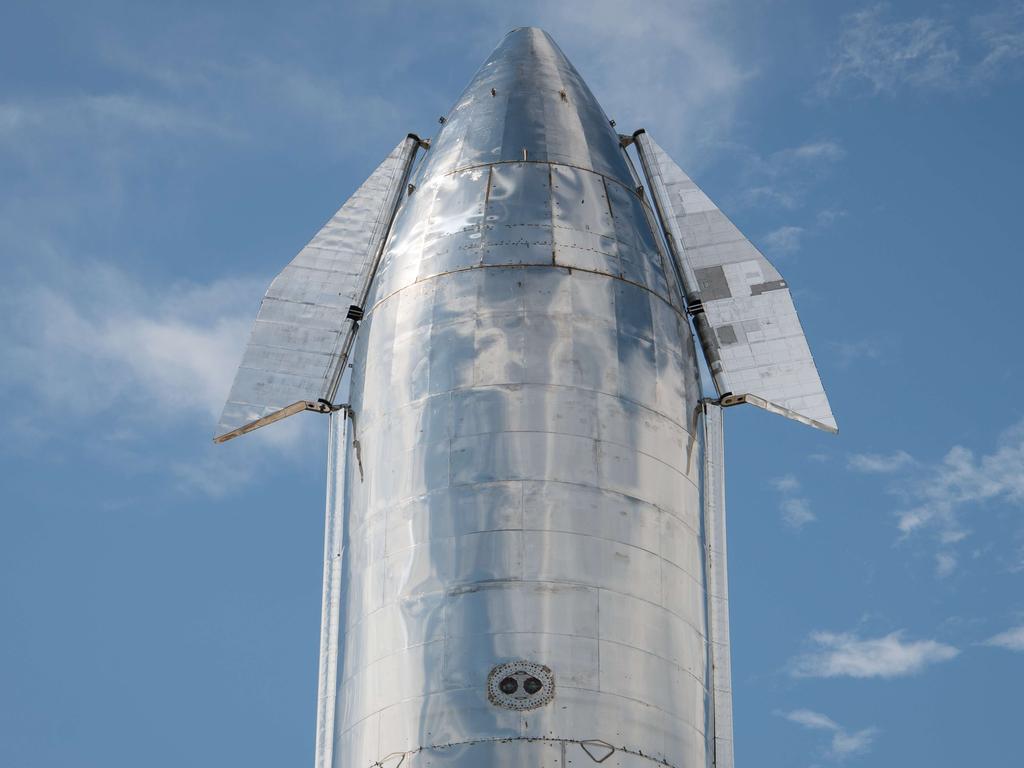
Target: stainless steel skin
[523, 478]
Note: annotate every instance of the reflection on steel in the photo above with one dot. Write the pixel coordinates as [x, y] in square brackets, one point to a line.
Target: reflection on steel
[520, 569]
[744, 313]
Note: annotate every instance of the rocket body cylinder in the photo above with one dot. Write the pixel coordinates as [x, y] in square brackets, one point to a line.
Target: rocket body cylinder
[523, 479]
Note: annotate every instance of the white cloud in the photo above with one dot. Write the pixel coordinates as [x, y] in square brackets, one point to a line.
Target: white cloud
[784, 240]
[884, 54]
[1001, 32]
[1011, 639]
[877, 54]
[937, 497]
[784, 178]
[786, 484]
[810, 719]
[847, 655]
[829, 216]
[844, 743]
[849, 352]
[945, 564]
[97, 341]
[797, 512]
[877, 463]
[858, 742]
[104, 115]
[962, 479]
[814, 151]
[97, 352]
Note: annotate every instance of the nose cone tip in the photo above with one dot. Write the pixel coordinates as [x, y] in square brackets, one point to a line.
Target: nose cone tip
[520, 31]
[528, 103]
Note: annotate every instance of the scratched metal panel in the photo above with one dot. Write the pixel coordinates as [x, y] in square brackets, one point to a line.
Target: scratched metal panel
[299, 340]
[518, 215]
[522, 214]
[755, 344]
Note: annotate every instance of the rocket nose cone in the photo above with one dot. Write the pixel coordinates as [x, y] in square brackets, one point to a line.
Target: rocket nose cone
[527, 102]
[527, 31]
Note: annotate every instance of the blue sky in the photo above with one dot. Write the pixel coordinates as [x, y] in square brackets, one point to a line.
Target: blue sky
[160, 162]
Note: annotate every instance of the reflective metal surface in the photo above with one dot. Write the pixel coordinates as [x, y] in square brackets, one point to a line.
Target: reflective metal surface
[301, 336]
[713, 491]
[526, 405]
[330, 629]
[746, 320]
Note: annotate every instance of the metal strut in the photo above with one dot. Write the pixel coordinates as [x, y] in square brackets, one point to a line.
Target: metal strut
[330, 621]
[720, 739]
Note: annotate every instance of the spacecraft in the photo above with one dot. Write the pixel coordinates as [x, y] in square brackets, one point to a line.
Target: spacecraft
[525, 553]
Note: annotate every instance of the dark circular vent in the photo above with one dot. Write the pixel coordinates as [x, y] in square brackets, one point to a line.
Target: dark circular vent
[520, 685]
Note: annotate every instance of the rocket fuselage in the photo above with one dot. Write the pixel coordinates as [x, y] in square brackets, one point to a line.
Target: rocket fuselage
[523, 488]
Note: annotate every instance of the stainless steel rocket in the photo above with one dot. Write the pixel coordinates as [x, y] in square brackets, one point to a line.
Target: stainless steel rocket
[525, 544]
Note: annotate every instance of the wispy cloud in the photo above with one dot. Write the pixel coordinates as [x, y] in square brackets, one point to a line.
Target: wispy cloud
[796, 510]
[883, 55]
[1001, 33]
[844, 743]
[880, 463]
[101, 113]
[945, 563]
[848, 353]
[786, 484]
[784, 240]
[96, 340]
[1011, 639]
[876, 54]
[95, 350]
[937, 495]
[783, 181]
[789, 238]
[847, 655]
[829, 216]
[783, 178]
[962, 479]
